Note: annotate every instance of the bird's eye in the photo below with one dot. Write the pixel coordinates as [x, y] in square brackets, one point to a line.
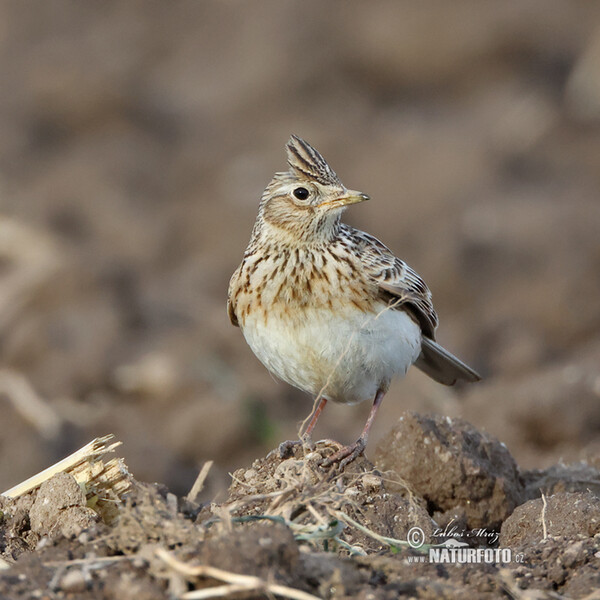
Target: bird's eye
[301, 193]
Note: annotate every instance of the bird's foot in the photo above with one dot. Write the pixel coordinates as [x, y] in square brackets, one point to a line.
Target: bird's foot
[286, 449]
[346, 454]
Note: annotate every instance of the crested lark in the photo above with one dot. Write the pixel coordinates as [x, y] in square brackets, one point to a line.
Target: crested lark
[329, 308]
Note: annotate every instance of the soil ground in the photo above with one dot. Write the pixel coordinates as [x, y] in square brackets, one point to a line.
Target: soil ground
[368, 531]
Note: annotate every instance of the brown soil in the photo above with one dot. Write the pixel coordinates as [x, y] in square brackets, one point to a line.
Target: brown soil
[330, 533]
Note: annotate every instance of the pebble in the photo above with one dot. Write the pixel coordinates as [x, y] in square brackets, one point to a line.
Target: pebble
[73, 582]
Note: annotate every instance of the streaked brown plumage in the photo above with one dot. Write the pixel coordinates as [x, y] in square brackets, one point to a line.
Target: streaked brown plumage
[329, 308]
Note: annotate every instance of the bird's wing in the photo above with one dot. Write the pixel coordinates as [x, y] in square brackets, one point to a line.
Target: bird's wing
[397, 282]
[231, 295]
[401, 286]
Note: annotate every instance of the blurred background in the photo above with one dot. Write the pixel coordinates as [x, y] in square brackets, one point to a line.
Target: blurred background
[137, 137]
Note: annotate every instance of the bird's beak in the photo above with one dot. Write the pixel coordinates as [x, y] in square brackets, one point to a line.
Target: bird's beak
[350, 197]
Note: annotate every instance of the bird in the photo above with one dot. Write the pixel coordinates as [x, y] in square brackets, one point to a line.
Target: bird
[328, 308]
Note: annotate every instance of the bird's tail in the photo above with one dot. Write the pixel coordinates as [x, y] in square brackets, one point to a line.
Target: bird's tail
[443, 366]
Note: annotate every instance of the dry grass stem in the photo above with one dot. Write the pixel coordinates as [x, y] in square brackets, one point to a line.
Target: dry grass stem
[35, 261]
[387, 541]
[105, 483]
[199, 483]
[235, 583]
[100, 561]
[29, 404]
[543, 516]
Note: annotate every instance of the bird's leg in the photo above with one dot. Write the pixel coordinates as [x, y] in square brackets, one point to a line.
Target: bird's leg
[314, 418]
[286, 447]
[348, 453]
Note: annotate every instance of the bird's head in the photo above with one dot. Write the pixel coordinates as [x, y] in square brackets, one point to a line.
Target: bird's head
[304, 205]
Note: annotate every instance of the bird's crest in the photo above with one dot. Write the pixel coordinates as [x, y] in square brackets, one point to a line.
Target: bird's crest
[307, 163]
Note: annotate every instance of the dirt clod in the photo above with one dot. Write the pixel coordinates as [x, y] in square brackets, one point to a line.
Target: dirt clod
[60, 508]
[298, 488]
[461, 472]
[565, 514]
[578, 477]
[264, 550]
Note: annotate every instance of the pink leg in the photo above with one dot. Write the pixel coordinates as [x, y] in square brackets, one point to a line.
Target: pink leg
[286, 447]
[348, 453]
[315, 417]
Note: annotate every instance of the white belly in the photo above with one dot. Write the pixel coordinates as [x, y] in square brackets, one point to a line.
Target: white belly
[344, 359]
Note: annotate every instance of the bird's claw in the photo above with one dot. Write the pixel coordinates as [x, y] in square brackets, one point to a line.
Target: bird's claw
[346, 454]
[286, 448]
